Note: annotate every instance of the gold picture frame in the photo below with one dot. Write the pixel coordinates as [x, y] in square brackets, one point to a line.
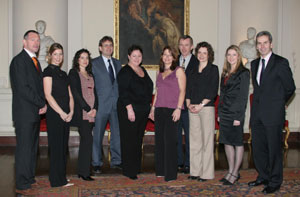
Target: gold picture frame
[152, 24]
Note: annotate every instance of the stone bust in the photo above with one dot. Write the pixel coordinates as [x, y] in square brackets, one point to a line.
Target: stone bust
[248, 47]
[45, 43]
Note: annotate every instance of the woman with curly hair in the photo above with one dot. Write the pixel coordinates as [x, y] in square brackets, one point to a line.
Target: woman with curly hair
[85, 98]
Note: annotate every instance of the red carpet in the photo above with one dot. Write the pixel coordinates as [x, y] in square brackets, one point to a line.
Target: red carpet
[150, 185]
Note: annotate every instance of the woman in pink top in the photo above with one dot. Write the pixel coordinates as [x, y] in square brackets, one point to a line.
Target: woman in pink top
[166, 110]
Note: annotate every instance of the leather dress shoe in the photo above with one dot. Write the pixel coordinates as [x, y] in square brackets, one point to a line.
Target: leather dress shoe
[186, 170]
[86, 178]
[133, 177]
[201, 180]
[193, 177]
[118, 166]
[270, 189]
[97, 169]
[179, 168]
[257, 183]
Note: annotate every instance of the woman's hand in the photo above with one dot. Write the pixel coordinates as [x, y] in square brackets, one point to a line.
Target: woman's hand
[218, 119]
[197, 108]
[92, 113]
[151, 114]
[176, 114]
[63, 116]
[236, 123]
[69, 116]
[191, 108]
[131, 115]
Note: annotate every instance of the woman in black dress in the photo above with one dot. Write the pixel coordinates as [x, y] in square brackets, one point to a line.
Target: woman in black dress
[135, 95]
[234, 91]
[83, 89]
[59, 114]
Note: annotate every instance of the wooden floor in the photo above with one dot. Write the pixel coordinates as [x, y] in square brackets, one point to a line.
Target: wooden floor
[7, 173]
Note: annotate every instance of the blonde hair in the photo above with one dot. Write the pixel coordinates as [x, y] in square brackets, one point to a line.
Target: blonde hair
[227, 66]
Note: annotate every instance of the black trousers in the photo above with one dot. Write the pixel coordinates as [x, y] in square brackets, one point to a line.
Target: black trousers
[58, 135]
[131, 136]
[85, 147]
[267, 152]
[165, 144]
[27, 135]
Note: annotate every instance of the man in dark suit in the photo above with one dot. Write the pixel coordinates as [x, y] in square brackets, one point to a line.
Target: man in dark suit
[189, 62]
[273, 87]
[27, 105]
[105, 69]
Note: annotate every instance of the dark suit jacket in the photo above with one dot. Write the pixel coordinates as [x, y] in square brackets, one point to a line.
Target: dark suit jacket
[276, 88]
[27, 88]
[193, 64]
[79, 102]
[234, 96]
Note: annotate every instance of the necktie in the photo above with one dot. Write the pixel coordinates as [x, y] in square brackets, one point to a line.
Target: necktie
[111, 72]
[263, 66]
[35, 63]
[183, 64]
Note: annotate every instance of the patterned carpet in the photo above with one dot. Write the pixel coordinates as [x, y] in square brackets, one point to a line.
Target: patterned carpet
[150, 185]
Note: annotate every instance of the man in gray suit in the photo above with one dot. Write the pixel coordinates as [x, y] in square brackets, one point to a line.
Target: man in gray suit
[105, 69]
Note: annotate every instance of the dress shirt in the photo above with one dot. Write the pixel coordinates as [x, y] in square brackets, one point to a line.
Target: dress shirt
[105, 59]
[30, 53]
[260, 65]
[186, 60]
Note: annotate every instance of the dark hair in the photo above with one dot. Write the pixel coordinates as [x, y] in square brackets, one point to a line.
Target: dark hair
[174, 62]
[264, 33]
[104, 39]
[52, 48]
[184, 37]
[76, 58]
[134, 48]
[28, 32]
[210, 50]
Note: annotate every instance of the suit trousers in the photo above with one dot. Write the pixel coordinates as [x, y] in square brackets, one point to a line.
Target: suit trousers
[85, 147]
[58, 134]
[267, 152]
[202, 127]
[183, 124]
[27, 135]
[132, 134]
[98, 134]
[165, 143]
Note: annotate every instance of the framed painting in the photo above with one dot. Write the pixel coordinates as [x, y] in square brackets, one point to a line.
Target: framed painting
[151, 24]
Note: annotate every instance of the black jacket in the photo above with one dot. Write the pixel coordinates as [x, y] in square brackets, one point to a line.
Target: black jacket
[79, 102]
[234, 96]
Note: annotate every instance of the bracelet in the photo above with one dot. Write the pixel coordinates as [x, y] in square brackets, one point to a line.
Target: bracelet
[178, 108]
[202, 104]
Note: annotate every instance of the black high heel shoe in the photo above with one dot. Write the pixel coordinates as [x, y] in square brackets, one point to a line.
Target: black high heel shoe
[224, 179]
[86, 178]
[227, 182]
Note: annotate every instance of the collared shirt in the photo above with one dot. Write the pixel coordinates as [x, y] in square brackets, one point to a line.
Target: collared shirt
[186, 60]
[105, 59]
[260, 65]
[30, 53]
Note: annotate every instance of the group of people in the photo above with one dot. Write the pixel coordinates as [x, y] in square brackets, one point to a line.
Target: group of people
[99, 91]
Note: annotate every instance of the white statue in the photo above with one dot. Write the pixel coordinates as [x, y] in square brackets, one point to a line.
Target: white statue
[45, 43]
[248, 47]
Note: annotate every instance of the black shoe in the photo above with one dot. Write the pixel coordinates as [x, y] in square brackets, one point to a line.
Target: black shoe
[97, 169]
[270, 189]
[224, 179]
[257, 183]
[179, 168]
[186, 170]
[86, 178]
[133, 177]
[118, 166]
[193, 177]
[234, 179]
[201, 180]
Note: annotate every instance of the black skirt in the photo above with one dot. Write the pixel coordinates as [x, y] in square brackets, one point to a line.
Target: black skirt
[231, 135]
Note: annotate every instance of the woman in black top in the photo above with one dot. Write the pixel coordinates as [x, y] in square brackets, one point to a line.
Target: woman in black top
[202, 89]
[59, 114]
[135, 95]
[234, 91]
[86, 104]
